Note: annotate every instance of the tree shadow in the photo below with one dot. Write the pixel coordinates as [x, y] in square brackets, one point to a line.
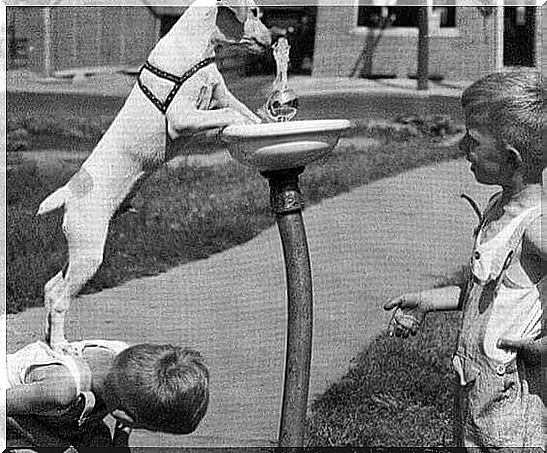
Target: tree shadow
[364, 65]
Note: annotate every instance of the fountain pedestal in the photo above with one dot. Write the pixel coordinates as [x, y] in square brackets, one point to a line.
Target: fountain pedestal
[280, 151]
[287, 203]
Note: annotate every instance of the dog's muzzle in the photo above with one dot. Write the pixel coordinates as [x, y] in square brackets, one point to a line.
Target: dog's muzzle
[162, 96]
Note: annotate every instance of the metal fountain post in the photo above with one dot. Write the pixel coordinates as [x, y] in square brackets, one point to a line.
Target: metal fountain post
[287, 202]
[280, 150]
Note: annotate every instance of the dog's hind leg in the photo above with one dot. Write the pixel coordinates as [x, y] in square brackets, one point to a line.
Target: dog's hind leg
[86, 233]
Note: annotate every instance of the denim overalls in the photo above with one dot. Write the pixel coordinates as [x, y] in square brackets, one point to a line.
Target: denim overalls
[499, 398]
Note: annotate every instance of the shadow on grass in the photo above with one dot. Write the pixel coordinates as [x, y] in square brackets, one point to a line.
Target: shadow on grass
[398, 393]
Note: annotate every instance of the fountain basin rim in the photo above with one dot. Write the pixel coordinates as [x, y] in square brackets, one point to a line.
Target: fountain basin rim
[242, 132]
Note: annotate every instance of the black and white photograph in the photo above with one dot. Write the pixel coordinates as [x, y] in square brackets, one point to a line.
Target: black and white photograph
[259, 224]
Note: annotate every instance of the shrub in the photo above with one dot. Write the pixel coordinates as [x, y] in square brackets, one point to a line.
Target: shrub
[432, 125]
[21, 132]
[17, 140]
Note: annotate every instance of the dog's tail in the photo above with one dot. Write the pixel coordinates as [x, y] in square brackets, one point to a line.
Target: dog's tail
[55, 201]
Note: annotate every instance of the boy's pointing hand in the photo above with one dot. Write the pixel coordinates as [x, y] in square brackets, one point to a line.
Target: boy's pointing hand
[408, 315]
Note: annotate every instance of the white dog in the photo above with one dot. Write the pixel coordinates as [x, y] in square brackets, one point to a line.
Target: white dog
[180, 93]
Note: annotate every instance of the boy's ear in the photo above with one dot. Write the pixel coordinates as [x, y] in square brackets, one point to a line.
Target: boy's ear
[124, 417]
[514, 156]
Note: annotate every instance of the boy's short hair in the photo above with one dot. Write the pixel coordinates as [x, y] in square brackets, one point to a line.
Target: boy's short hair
[513, 104]
[163, 387]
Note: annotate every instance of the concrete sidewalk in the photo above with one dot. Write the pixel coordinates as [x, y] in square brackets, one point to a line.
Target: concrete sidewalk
[395, 235]
[118, 83]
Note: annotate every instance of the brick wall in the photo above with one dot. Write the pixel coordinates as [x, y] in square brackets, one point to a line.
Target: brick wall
[97, 36]
[85, 36]
[468, 52]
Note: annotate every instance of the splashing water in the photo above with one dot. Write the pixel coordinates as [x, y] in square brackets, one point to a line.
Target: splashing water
[282, 103]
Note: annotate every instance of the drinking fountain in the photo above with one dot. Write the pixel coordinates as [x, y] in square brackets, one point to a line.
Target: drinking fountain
[280, 151]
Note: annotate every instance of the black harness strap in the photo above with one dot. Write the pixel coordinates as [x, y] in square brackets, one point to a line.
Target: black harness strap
[177, 80]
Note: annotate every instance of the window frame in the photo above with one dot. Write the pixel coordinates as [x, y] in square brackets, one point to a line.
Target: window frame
[403, 31]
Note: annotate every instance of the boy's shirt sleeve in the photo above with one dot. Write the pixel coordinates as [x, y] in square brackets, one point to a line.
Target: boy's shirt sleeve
[54, 392]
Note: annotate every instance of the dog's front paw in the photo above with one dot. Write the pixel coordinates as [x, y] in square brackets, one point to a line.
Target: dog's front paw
[263, 115]
[62, 346]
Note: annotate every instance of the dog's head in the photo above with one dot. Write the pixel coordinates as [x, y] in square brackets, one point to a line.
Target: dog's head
[239, 22]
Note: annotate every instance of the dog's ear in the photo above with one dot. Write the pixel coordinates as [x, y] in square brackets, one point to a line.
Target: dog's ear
[247, 13]
[241, 8]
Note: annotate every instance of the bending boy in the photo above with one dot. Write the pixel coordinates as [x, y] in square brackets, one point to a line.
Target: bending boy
[63, 398]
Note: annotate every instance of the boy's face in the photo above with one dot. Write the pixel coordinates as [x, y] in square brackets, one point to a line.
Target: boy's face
[489, 160]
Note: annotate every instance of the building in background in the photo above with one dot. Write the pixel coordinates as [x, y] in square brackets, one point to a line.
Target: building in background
[53, 40]
[465, 42]
[50, 39]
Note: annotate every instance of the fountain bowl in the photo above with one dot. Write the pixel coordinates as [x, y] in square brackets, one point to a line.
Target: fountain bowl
[278, 146]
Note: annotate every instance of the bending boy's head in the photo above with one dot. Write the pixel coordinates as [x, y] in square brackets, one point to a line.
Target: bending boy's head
[161, 387]
[510, 105]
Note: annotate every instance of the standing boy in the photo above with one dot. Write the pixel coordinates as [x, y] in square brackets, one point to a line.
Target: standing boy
[498, 356]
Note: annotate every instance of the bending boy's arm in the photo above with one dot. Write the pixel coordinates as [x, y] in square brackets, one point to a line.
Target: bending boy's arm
[39, 397]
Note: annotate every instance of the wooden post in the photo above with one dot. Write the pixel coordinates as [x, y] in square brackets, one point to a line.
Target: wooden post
[47, 42]
[423, 48]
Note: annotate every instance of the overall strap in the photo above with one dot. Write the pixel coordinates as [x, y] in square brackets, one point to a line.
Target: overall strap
[489, 206]
[481, 216]
[518, 234]
[515, 240]
[177, 80]
[512, 244]
[532, 214]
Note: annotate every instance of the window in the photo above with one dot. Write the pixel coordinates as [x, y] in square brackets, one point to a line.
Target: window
[402, 16]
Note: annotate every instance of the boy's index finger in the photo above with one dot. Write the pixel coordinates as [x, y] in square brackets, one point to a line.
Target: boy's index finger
[506, 343]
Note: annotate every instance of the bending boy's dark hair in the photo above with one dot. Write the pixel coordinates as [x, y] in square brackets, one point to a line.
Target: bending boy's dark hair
[513, 106]
[163, 387]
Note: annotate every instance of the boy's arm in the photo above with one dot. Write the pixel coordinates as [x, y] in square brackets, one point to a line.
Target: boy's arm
[436, 299]
[41, 396]
[445, 298]
[532, 350]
